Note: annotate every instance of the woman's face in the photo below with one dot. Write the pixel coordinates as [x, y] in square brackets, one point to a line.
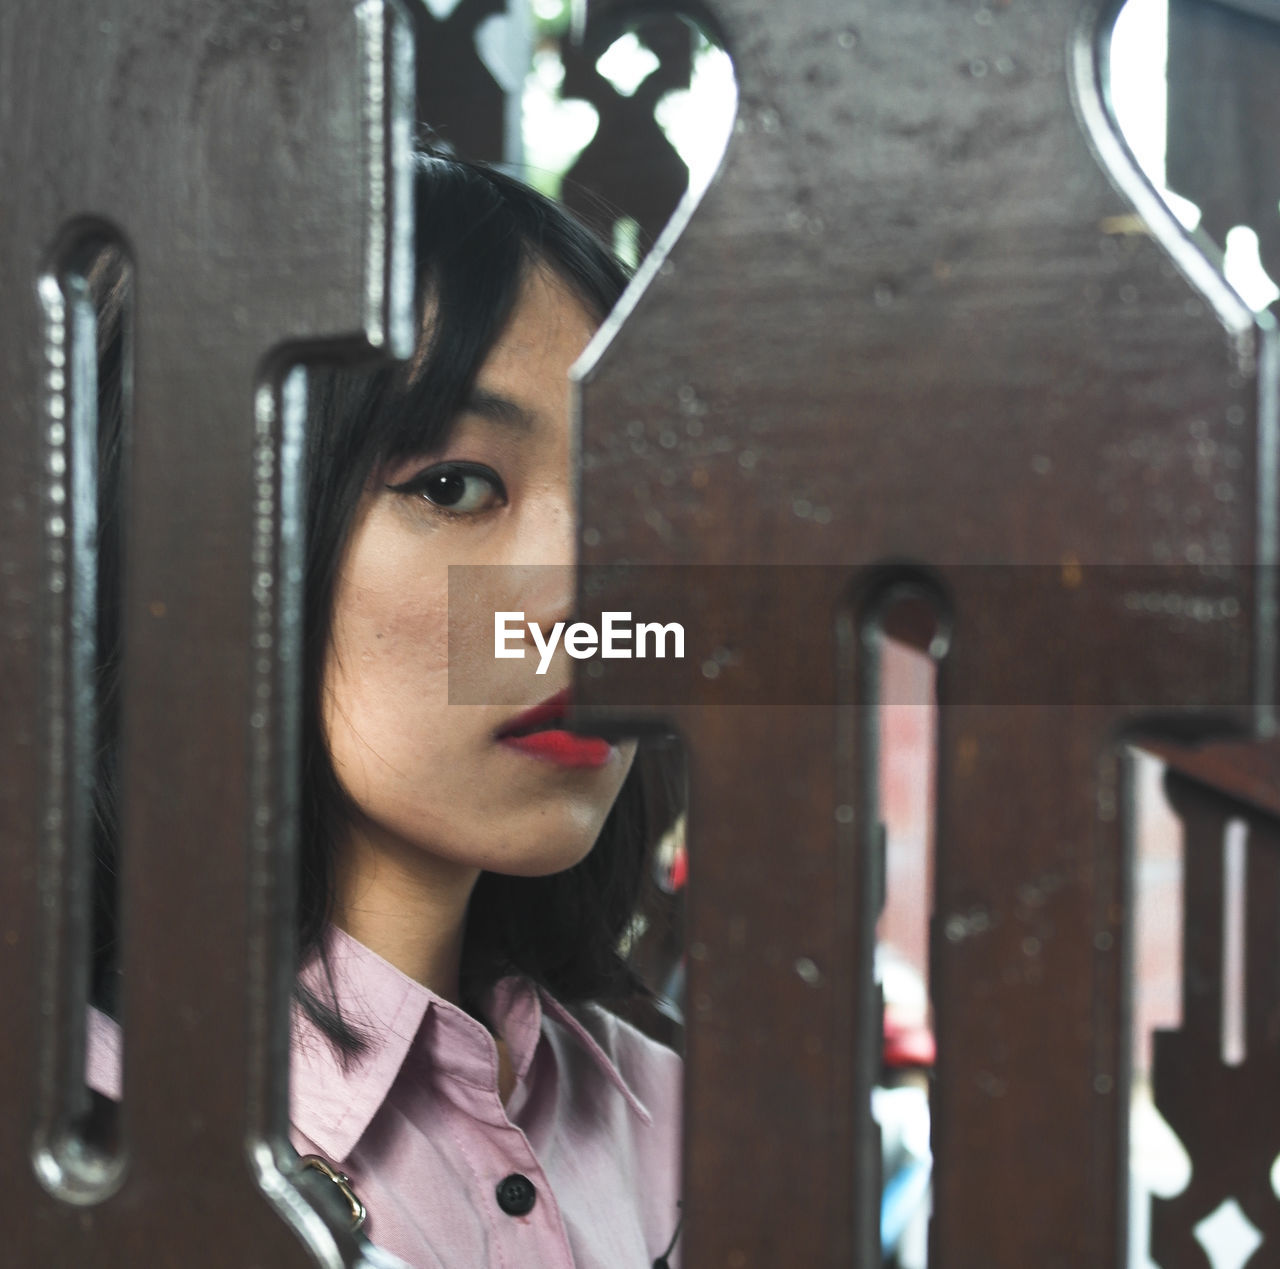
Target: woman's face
[433, 782]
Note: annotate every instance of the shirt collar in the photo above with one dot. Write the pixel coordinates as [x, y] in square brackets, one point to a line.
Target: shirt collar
[332, 1100]
[333, 1104]
[593, 1047]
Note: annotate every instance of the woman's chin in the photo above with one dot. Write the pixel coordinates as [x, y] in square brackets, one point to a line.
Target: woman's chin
[534, 861]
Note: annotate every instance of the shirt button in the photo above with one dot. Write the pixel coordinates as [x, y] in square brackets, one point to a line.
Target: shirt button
[516, 1194]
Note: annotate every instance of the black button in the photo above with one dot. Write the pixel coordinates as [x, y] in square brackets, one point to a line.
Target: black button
[516, 1194]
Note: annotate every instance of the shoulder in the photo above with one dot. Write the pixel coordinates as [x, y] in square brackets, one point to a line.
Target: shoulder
[654, 1074]
[635, 1054]
[102, 1054]
[650, 1075]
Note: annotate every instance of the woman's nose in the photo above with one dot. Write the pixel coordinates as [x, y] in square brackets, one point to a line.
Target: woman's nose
[548, 551]
[548, 594]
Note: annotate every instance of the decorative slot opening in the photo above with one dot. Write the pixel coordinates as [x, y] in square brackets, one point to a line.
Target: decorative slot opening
[1180, 76]
[1234, 880]
[913, 641]
[87, 298]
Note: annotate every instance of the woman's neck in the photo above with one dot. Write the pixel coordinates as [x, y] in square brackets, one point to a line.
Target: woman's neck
[406, 905]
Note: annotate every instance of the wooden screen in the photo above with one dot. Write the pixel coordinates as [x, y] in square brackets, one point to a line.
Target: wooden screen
[929, 334]
[928, 331]
[250, 162]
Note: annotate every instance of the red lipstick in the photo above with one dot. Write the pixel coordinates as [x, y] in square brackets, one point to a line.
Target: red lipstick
[534, 732]
[553, 710]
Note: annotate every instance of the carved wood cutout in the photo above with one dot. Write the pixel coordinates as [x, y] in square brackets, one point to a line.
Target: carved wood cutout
[1224, 1115]
[629, 163]
[458, 98]
[1224, 117]
[915, 331]
[252, 159]
[1248, 771]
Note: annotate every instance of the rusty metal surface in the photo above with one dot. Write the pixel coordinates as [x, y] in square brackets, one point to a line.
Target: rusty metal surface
[250, 160]
[1225, 1114]
[915, 333]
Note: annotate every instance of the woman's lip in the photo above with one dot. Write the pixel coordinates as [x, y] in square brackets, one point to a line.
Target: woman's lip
[551, 710]
[563, 748]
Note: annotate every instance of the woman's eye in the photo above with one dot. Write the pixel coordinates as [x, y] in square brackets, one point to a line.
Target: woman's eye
[456, 489]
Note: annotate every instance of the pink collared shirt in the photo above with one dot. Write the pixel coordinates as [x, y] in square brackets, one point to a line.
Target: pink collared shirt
[417, 1123]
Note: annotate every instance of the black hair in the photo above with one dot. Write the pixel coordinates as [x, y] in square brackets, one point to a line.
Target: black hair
[478, 234]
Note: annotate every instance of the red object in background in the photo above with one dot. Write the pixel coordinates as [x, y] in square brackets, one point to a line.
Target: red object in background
[907, 1043]
[908, 1035]
[679, 870]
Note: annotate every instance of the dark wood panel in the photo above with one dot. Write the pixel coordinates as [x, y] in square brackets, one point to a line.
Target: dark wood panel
[252, 162]
[1246, 770]
[915, 332]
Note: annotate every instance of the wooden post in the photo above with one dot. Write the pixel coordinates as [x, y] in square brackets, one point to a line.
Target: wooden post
[929, 328]
[252, 163]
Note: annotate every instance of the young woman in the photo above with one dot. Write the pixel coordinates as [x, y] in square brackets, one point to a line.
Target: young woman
[468, 871]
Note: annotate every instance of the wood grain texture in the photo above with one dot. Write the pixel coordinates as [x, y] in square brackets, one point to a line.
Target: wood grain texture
[251, 160]
[916, 333]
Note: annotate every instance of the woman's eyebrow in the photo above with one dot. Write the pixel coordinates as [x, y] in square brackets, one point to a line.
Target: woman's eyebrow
[500, 409]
